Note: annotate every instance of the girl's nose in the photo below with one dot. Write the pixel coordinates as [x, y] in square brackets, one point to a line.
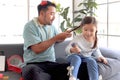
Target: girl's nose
[88, 32]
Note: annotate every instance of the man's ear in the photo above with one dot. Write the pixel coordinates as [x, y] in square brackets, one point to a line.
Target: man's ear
[42, 13]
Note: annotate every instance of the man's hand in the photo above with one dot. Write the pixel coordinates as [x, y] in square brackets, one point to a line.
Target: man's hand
[62, 36]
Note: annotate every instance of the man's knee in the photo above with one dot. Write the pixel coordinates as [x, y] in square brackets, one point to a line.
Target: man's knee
[28, 71]
[28, 68]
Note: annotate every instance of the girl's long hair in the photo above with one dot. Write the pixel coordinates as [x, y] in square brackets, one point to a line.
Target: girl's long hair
[90, 20]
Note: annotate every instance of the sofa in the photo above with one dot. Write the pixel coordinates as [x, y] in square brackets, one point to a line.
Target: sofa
[108, 72]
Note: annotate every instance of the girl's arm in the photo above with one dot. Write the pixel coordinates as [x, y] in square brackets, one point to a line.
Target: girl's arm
[97, 54]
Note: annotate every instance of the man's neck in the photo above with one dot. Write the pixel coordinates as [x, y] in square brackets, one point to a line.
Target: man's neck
[40, 22]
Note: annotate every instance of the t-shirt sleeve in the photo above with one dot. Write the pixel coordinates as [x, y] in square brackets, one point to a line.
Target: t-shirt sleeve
[97, 53]
[30, 36]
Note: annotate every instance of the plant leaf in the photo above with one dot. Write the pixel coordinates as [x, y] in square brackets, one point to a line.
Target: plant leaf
[62, 26]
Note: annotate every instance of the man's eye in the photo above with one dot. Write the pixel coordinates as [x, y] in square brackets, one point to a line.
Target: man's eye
[52, 13]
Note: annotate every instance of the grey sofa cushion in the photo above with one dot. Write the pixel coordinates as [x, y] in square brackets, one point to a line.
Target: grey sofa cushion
[107, 71]
[113, 67]
[115, 77]
[60, 51]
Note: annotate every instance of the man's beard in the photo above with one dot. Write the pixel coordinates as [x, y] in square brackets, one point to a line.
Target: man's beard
[50, 23]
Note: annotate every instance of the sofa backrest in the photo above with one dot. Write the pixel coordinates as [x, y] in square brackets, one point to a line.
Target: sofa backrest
[11, 49]
[60, 51]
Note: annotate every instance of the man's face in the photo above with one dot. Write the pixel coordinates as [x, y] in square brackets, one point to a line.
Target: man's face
[49, 15]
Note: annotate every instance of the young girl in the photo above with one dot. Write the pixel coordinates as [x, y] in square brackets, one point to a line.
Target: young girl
[84, 48]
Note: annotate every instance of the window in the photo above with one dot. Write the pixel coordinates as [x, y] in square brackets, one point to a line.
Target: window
[12, 19]
[14, 14]
[108, 23]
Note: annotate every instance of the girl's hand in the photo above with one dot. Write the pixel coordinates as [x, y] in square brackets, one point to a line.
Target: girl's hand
[75, 48]
[102, 59]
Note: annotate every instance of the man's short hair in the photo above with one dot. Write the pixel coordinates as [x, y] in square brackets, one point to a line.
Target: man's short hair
[44, 5]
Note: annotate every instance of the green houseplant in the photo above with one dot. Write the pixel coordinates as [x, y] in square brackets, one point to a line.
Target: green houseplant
[86, 7]
[63, 12]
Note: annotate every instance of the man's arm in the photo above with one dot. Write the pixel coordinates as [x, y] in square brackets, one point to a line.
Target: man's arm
[40, 47]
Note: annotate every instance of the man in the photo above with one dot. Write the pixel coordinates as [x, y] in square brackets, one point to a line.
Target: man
[39, 39]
